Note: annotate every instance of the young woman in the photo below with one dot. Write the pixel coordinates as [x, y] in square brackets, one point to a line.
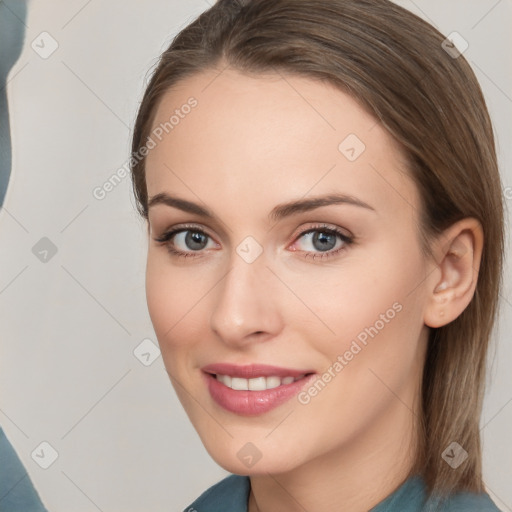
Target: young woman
[325, 227]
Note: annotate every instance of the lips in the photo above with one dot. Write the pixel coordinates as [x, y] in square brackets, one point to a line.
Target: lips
[252, 371]
[253, 389]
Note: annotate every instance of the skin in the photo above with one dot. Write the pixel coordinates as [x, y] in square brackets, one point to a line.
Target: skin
[254, 142]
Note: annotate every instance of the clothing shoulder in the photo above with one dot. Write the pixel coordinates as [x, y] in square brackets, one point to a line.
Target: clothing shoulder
[16, 490]
[412, 496]
[464, 502]
[228, 495]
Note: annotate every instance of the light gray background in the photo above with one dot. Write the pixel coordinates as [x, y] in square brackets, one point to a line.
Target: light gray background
[70, 325]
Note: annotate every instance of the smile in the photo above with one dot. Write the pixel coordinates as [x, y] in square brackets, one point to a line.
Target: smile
[257, 383]
[253, 389]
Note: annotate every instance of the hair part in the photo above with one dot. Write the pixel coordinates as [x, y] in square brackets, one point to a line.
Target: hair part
[392, 62]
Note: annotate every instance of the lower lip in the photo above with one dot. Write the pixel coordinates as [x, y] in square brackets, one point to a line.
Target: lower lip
[252, 403]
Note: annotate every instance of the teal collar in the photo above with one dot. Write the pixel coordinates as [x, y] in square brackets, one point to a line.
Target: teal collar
[232, 494]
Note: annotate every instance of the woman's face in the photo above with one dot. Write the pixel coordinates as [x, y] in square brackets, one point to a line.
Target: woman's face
[334, 288]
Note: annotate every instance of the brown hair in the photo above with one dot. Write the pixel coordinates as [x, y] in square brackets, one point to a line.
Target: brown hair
[394, 64]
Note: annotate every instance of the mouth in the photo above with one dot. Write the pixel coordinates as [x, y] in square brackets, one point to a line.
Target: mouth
[261, 383]
[253, 389]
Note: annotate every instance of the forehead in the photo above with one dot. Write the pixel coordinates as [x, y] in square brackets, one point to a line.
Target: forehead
[272, 136]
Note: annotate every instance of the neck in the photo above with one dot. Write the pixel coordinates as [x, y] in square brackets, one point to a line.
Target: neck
[356, 476]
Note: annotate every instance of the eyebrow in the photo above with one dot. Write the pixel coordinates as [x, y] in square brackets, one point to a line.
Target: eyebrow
[278, 212]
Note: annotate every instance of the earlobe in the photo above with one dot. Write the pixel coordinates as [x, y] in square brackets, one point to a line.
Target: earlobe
[452, 286]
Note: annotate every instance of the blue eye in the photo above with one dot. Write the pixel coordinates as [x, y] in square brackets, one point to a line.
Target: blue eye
[326, 240]
[193, 238]
[322, 241]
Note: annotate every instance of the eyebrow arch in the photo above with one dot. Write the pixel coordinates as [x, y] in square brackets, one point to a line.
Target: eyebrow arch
[304, 205]
[277, 213]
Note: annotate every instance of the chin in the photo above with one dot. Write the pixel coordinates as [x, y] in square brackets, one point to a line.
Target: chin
[251, 459]
[259, 468]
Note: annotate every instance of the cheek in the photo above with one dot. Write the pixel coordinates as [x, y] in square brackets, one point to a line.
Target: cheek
[179, 299]
[170, 296]
[379, 327]
[366, 288]
[367, 372]
[373, 307]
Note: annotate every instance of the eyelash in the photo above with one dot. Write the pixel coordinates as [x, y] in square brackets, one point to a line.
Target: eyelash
[165, 240]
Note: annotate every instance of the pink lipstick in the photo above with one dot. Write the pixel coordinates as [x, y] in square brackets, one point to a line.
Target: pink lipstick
[253, 389]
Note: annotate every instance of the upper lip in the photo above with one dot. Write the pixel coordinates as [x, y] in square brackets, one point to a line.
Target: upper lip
[253, 370]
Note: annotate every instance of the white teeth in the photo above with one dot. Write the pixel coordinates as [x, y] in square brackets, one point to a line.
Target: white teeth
[273, 382]
[239, 384]
[256, 384]
[225, 379]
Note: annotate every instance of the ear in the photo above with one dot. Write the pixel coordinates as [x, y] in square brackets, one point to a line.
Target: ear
[451, 285]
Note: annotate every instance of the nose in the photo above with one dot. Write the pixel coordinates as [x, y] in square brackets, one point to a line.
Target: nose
[246, 305]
